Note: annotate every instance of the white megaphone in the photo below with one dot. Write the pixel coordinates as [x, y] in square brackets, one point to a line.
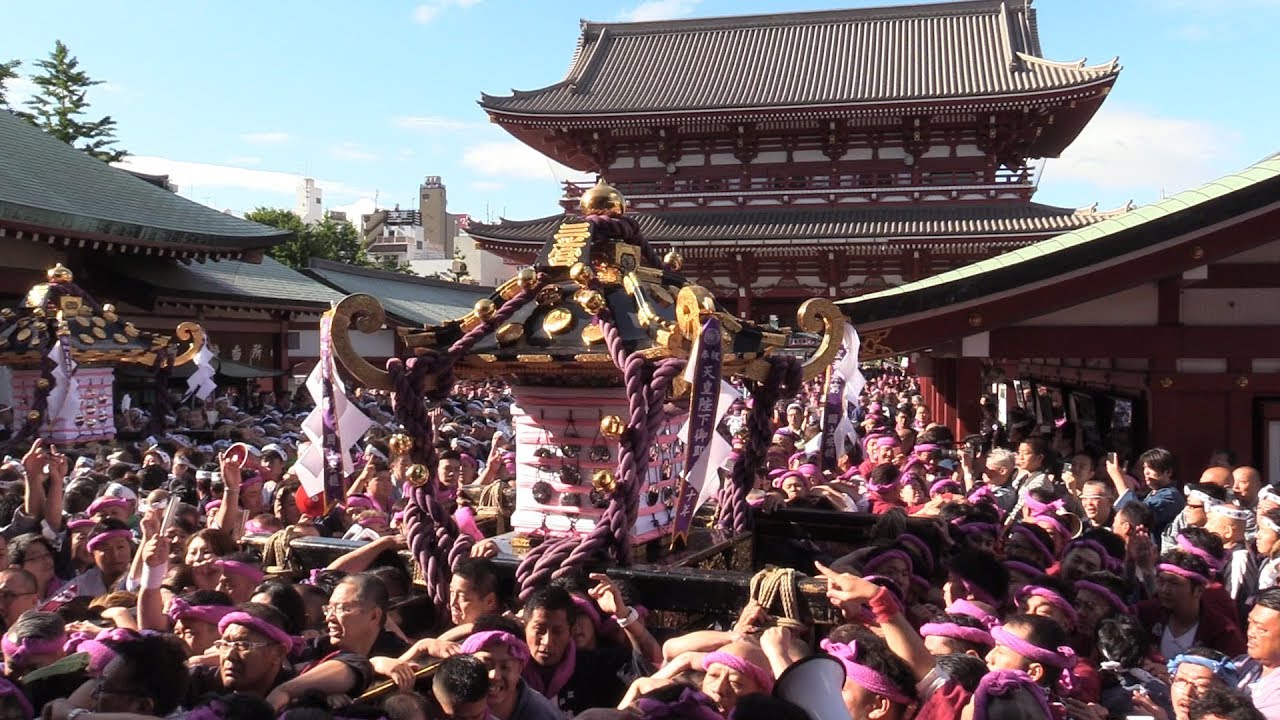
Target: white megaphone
[815, 684]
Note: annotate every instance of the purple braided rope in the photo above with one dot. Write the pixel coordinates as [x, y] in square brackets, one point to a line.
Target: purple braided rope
[433, 535]
[784, 380]
[626, 229]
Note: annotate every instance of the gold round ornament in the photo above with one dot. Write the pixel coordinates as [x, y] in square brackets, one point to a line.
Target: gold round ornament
[417, 475]
[34, 415]
[603, 199]
[611, 426]
[528, 278]
[604, 481]
[509, 333]
[42, 384]
[582, 274]
[485, 308]
[59, 274]
[590, 300]
[100, 333]
[400, 444]
[558, 321]
[120, 339]
[86, 338]
[550, 295]
[673, 260]
[84, 321]
[130, 330]
[37, 312]
[592, 334]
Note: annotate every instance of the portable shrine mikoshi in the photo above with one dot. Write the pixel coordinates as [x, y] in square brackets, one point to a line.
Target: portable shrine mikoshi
[63, 347]
[594, 337]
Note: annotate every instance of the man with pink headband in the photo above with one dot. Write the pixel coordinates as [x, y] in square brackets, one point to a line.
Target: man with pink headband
[111, 545]
[251, 649]
[1179, 617]
[510, 697]
[733, 671]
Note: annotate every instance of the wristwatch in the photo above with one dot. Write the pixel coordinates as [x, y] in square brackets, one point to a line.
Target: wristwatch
[622, 623]
[77, 713]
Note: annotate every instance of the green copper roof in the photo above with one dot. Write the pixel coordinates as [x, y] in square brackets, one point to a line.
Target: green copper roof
[1076, 239]
[417, 300]
[267, 283]
[47, 184]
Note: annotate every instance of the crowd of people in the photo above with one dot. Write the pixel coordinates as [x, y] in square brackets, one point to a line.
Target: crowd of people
[1018, 574]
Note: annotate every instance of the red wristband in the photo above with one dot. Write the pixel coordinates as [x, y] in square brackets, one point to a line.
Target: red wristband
[885, 606]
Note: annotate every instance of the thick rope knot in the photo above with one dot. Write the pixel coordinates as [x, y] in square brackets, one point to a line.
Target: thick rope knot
[777, 590]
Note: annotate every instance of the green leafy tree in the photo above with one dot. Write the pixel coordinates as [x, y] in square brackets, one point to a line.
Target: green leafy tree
[8, 71]
[390, 264]
[58, 106]
[328, 239]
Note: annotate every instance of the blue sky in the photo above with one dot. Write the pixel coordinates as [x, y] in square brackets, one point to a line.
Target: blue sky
[237, 100]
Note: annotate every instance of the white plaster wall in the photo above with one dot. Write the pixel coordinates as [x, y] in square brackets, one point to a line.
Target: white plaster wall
[1133, 307]
[1254, 306]
[378, 345]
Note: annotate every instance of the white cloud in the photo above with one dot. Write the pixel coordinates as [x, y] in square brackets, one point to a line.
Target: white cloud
[244, 160]
[1128, 149]
[660, 10]
[265, 138]
[189, 176]
[18, 90]
[351, 151]
[426, 12]
[512, 159]
[362, 206]
[430, 123]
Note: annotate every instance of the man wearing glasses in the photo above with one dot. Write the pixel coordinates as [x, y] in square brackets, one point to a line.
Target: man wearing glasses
[17, 594]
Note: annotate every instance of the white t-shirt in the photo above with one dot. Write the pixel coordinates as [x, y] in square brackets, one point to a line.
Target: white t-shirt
[1174, 645]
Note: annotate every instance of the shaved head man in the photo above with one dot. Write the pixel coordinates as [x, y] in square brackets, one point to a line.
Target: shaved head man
[1219, 476]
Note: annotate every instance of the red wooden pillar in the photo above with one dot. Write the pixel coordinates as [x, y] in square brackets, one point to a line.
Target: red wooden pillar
[924, 373]
[744, 305]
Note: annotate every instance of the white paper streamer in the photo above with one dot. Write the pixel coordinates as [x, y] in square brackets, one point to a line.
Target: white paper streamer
[351, 424]
[201, 383]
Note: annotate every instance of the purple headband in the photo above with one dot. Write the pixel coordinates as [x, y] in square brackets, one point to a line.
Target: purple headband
[1057, 524]
[782, 478]
[1104, 592]
[20, 650]
[971, 528]
[926, 447]
[1024, 568]
[107, 502]
[1108, 562]
[589, 609]
[958, 632]
[180, 609]
[258, 625]
[920, 546]
[1041, 508]
[1063, 659]
[1029, 534]
[514, 645]
[887, 441]
[691, 705]
[1052, 598]
[870, 679]
[885, 557]
[1185, 543]
[879, 487]
[942, 485]
[81, 524]
[742, 666]
[1001, 683]
[809, 470]
[97, 541]
[235, 567]
[966, 607]
[99, 648]
[1183, 572]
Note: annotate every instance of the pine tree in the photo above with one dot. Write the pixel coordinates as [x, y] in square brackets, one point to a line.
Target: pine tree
[59, 105]
[8, 71]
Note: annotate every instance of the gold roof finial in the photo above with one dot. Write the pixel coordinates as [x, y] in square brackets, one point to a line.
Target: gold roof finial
[59, 274]
[603, 199]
